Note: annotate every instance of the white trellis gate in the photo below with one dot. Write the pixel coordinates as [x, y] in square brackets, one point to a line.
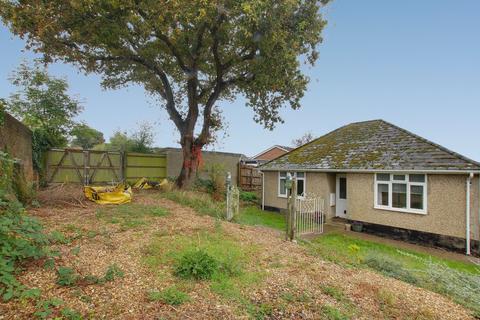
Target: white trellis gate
[309, 216]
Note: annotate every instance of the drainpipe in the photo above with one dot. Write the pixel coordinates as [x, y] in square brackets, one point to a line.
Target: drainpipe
[467, 215]
[263, 190]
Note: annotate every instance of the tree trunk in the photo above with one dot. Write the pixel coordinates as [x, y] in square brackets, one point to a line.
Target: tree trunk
[192, 153]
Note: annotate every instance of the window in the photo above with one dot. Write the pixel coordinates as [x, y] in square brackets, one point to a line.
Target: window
[343, 188]
[301, 186]
[401, 192]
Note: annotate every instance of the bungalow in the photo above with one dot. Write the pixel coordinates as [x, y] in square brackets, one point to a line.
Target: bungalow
[390, 180]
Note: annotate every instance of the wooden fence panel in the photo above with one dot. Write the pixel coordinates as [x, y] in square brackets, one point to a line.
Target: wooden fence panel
[250, 178]
[102, 167]
[150, 166]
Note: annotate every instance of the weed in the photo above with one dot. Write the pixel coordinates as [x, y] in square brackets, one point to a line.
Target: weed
[58, 238]
[196, 264]
[75, 251]
[334, 292]
[332, 313]
[44, 307]
[113, 272]
[302, 297]
[171, 296]
[71, 314]
[31, 294]
[260, 311]
[66, 277]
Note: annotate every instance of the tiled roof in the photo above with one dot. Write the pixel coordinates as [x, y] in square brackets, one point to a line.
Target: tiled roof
[371, 145]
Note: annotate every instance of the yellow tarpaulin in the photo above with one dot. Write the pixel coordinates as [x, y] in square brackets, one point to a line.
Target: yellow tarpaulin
[143, 184]
[109, 195]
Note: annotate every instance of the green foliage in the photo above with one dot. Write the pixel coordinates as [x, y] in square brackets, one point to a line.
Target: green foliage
[464, 288]
[42, 103]
[171, 296]
[21, 239]
[46, 308]
[141, 140]
[66, 277]
[113, 272]
[455, 279]
[334, 292]
[248, 196]
[198, 53]
[70, 314]
[214, 183]
[332, 313]
[390, 267]
[196, 264]
[86, 137]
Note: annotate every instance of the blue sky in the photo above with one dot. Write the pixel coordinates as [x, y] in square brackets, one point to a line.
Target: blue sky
[413, 63]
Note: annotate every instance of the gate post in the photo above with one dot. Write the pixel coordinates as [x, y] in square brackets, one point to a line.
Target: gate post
[291, 186]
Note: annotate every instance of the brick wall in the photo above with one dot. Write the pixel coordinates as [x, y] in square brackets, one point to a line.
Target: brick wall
[16, 139]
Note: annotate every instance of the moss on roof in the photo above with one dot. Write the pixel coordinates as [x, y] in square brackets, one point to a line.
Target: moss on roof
[373, 144]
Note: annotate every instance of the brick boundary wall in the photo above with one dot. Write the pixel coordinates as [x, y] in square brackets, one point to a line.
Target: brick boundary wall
[16, 139]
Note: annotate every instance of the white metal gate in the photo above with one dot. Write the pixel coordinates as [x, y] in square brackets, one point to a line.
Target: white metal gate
[309, 216]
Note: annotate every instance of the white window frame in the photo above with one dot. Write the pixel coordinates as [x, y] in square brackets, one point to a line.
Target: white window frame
[294, 174]
[390, 192]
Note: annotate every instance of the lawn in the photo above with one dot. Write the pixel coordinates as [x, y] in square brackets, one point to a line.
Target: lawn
[254, 216]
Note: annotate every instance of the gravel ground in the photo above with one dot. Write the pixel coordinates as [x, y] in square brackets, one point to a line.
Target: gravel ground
[288, 269]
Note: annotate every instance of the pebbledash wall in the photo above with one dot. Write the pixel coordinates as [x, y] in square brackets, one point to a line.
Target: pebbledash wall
[16, 139]
[446, 207]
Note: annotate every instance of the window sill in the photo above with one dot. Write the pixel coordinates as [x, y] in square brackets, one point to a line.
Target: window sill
[420, 212]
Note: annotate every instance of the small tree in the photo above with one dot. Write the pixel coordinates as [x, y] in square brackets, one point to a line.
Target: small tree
[189, 53]
[142, 138]
[306, 138]
[86, 137]
[42, 103]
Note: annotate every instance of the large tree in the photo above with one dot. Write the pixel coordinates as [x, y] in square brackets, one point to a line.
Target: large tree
[85, 136]
[189, 53]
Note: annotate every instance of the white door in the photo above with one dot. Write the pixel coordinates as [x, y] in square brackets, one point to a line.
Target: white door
[341, 198]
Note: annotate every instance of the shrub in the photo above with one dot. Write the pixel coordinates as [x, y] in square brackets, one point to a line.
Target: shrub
[171, 296]
[196, 264]
[390, 267]
[21, 239]
[248, 196]
[463, 287]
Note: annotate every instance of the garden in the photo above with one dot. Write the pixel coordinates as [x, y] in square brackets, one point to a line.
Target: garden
[170, 255]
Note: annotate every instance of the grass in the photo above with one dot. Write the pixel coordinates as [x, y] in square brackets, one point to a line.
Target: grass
[203, 204]
[200, 202]
[230, 277]
[349, 250]
[254, 216]
[130, 216]
[171, 295]
[455, 279]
